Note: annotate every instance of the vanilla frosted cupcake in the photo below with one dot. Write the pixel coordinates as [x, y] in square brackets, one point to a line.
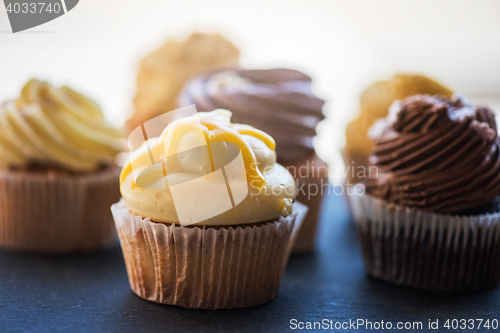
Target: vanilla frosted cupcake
[57, 174]
[431, 217]
[280, 102]
[207, 218]
[162, 73]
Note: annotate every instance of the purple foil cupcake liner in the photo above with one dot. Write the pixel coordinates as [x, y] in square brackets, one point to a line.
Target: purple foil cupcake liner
[425, 250]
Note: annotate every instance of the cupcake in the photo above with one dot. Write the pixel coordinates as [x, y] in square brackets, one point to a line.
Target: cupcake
[57, 173]
[162, 74]
[281, 103]
[207, 218]
[430, 219]
[375, 102]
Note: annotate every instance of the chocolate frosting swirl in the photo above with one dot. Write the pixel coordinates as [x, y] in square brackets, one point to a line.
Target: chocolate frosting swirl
[277, 101]
[436, 154]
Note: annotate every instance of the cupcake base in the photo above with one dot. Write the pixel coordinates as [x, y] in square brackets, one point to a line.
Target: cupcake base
[357, 167]
[51, 212]
[203, 267]
[428, 251]
[316, 177]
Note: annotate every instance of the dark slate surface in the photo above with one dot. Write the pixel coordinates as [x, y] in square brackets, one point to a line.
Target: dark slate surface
[91, 293]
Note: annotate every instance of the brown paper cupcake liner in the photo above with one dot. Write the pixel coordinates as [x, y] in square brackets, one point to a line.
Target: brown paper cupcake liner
[426, 250]
[206, 267]
[306, 238]
[317, 174]
[49, 212]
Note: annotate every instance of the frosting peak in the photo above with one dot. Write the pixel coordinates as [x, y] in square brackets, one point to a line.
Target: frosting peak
[277, 101]
[162, 74]
[56, 127]
[436, 154]
[203, 154]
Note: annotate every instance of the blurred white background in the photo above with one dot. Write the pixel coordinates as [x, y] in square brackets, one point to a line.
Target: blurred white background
[343, 45]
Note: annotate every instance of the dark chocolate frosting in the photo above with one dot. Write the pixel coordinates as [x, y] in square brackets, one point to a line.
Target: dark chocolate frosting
[277, 101]
[436, 154]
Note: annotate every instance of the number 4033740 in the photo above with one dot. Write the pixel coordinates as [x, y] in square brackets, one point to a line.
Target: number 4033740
[33, 8]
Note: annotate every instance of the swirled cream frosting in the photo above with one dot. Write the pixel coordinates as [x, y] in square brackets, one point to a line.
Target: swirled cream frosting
[436, 154]
[162, 74]
[375, 102]
[209, 171]
[278, 101]
[58, 127]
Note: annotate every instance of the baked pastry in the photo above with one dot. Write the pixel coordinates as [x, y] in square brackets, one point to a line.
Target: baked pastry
[431, 217]
[57, 174]
[211, 223]
[374, 103]
[162, 74]
[281, 103]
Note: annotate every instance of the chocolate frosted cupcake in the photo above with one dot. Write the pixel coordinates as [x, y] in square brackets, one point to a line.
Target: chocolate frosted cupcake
[57, 172]
[374, 104]
[431, 218]
[281, 103]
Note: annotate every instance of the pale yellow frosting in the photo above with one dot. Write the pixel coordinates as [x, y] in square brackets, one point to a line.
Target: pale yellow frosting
[162, 74]
[147, 187]
[56, 126]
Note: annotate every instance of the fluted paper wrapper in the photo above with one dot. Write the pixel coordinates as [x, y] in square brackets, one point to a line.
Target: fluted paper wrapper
[306, 238]
[426, 250]
[206, 267]
[47, 212]
[311, 187]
